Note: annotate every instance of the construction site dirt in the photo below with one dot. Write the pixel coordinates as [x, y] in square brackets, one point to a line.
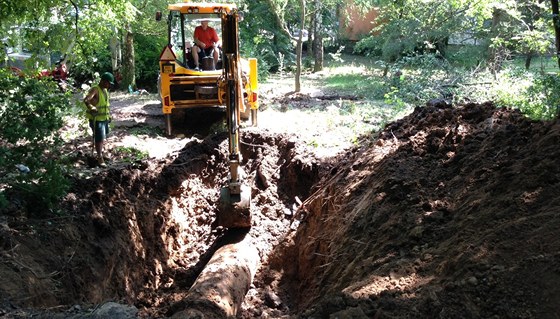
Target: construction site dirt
[449, 212]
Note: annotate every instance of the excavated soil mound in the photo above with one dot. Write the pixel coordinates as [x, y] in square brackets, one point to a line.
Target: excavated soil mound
[447, 213]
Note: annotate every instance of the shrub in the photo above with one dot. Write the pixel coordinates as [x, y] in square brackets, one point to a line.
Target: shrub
[543, 97]
[31, 112]
[535, 94]
[147, 49]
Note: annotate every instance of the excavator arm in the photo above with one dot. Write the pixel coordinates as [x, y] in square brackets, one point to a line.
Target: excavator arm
[235, 197]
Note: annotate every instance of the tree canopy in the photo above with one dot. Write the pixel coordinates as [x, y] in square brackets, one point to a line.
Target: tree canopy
[93, 33]
[500, 27]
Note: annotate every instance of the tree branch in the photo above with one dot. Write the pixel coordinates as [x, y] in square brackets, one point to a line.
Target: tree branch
[76, 24]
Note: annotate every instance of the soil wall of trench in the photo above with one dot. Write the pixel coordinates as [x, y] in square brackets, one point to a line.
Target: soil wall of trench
[141, 235]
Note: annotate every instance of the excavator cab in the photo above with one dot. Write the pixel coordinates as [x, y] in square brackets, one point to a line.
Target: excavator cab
[229, 83]
[180, 84]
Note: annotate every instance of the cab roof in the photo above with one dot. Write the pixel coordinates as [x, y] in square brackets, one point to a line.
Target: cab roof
[192, 7]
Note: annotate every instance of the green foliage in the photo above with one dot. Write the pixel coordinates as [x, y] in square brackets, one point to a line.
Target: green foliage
[147, 49]
[413, 80]
[543, 97]
[535, 94]
[422, 77]
[82, 29]
[131, 154]
[414, 26]
[369, 46]
[86, 69]
[31, 112]
[42, 190]
[537, 40]
[499, 27]
[465, 56]
[409, 81]
[261, 38]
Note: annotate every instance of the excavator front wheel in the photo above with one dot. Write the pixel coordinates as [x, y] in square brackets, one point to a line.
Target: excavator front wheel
[234, 210]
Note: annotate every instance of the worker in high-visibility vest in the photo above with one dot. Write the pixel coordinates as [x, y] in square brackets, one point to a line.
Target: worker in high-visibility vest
[98, 113]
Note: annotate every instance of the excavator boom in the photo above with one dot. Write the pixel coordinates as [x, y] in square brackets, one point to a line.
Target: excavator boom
[235, 198]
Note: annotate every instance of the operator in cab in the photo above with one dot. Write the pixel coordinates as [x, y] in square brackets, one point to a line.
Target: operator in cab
[206, 44]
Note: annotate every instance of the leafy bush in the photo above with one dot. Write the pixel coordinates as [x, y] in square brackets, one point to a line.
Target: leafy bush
[369, 46]
[465, 56]
[538, 96]
[147, 50]
[543, 97]
[31, 112]
[85, 67]
[416, 79]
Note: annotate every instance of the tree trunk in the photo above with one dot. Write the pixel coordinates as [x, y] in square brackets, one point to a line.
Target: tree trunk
[441, 46]
[532, 19]
[528, 59]
[494, 52]
[299, 47]
[128, 69]
[318, 37]
[116, 54]
[556, 22]
[319, 54]
[311, 37]
[530, 53]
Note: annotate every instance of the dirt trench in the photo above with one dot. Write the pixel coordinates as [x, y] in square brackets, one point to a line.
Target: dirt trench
[141, 235]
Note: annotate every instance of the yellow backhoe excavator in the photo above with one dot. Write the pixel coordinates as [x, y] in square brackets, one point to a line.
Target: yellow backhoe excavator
[182, 84]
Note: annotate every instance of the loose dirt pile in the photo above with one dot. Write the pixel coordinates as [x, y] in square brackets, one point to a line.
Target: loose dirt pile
[449, 212]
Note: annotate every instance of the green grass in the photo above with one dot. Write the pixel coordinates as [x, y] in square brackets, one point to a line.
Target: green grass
[145, 130]
[357, 84]
[538, 64]
[354, 75]
[131, 154]
[380, 100]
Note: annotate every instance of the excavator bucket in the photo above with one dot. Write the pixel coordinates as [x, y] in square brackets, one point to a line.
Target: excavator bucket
[234, 210]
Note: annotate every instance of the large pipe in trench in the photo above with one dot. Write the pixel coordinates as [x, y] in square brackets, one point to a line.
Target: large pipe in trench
[219, 290]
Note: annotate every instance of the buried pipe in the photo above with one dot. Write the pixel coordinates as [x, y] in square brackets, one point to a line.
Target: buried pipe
[219, 290]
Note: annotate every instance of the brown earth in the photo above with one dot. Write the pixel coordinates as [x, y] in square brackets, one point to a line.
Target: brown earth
[451, 212]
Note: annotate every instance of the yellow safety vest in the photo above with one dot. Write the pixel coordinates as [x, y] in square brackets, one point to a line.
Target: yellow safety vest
[102, 106]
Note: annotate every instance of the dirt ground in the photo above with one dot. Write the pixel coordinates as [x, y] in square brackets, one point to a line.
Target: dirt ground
[450, 212]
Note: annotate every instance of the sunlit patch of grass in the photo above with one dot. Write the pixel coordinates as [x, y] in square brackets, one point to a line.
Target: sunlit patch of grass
[539, 63]
[360, 108]
[358, 84]
[352, 75]
[145, 130]
[335, 126]
[130, 154]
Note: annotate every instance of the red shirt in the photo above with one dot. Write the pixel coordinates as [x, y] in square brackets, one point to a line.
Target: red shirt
[208, 36]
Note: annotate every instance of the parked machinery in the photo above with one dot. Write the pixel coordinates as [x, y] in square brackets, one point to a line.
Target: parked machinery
[232, 84]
